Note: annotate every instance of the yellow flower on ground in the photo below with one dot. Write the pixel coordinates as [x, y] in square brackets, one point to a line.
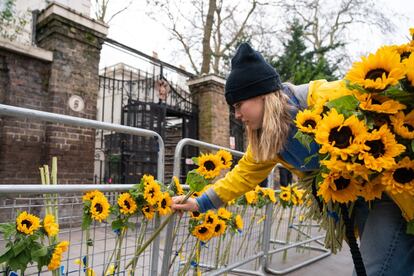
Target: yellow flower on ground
[91, 195]
[50, 226]
[377, 71]
[164, 205]
[251, 197]
[27, 223]
[380, 149]
[339, 136]
[148, 212]
[56, 258]
[99, 208]
[203, 232]
[178, 188]
[223, 213]
[400, 178]
[209, 165]
[225, 158]
[127, 204]
[152, 193]
[403, 124]
[238, 222]
[371, 190]
[338, 187]
[219, 228]
[307, 120]
[379, 104]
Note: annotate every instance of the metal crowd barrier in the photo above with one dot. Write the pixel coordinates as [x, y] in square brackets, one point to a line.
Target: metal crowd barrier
[73, 201]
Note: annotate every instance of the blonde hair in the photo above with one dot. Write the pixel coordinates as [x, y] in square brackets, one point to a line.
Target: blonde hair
[270, 139]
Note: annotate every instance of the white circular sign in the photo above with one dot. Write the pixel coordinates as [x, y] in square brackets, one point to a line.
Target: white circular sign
[76, 103]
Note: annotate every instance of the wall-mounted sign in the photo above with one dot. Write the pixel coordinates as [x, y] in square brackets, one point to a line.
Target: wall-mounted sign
[76, 103]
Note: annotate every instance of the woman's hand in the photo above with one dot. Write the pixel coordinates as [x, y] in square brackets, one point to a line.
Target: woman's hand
[189, 205]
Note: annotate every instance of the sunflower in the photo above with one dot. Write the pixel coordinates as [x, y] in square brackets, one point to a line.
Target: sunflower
[251, 197]
[307, 120]
[409, 66]
[379, 104]
[400, 178]
[354, 168]
[285, 196]
[377, 71]
[219, 228]
[297, 196]
[403, 124]
[270, 193]
[127, 204]
[225, 158]
[380, 148]
[412, 33]
[338, 186]
[339, 136]
[405, 50]
[178, 188]
[210, 218]
[148, 179]
[148, 212]
[89, 196]
[27, 223]
[99, 208]
[371, 190]
[60, 248]
[50, 226]
[195, 215]
[209, 165]
[203, 232]
[238, 223]
[223, 213]
[152, 193]
[164, 204]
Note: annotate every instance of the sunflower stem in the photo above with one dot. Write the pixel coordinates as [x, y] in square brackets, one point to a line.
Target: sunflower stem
[155, 234]
[179, 250]
[289, 230]
[249, 233]
[140, 238]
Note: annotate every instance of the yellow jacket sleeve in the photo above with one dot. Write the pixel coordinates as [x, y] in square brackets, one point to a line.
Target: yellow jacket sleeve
[245, 176]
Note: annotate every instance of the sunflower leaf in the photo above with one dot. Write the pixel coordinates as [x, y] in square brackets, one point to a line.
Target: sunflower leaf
[309, 158]
[345, 105]
[196, 181]
[195, 160]
[357, 87]
[86, 221]
[39, 252]
[304, 139]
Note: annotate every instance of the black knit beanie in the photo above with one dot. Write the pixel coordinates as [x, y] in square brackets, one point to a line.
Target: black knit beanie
[250, 76]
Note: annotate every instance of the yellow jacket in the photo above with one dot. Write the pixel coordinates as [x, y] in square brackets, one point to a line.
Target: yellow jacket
[249, 173]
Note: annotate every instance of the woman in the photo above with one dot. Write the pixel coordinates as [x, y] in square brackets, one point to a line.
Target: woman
[267, 108]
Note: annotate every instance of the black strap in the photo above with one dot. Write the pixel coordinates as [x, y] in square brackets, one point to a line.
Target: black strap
[350, 235]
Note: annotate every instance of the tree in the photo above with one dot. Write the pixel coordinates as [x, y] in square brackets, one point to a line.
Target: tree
[208, 30]
[101, 10]
[299, 65]
[12, 22]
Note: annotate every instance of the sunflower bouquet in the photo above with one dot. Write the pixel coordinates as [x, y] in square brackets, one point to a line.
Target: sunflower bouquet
[364, 127]
[25, 243]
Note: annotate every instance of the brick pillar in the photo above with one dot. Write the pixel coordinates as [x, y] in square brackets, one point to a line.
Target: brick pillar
[214, 124]
[76, 42]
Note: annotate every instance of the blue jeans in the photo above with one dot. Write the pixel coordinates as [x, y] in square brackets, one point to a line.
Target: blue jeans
[385, 246]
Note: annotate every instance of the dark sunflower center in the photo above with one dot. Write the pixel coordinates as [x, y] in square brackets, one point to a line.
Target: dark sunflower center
[146, 209]
[405, 55]
[126, 203]
[203, 230]
[217, 228]
[209, 220]
[223, 160]
[403, 175]
[98, 207]
[377, 148]
[210, 166]
[374, 101]
[310, 123]
[196, 214]
[341, 138]
[409, 127]
[376, 73]
[163, 203]
[341, 183]
[152, 192]
[27, 223]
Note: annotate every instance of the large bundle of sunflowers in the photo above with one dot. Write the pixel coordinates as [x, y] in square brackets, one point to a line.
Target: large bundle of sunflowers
[364, 127]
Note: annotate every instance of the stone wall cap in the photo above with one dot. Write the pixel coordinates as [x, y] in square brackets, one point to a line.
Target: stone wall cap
[27, 50]
[206, 78]
[66, 12]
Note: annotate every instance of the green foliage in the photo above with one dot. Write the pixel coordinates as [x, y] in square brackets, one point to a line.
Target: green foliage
[11, 23]
[196, 181]
[298, 65]
[346, 105]
[304, 139]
